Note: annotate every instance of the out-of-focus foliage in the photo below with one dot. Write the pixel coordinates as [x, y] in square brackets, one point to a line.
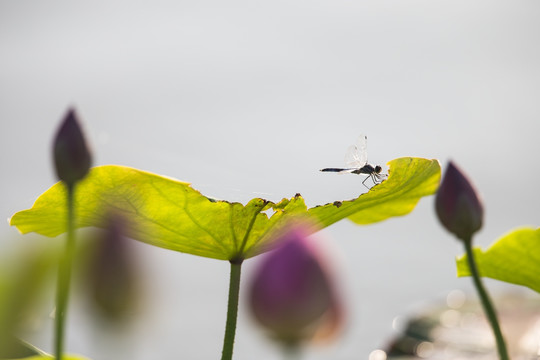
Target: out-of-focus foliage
[28, 271]
[48, 357]
[171, 214]
[24, 275]
[514, 258]
[14, 348]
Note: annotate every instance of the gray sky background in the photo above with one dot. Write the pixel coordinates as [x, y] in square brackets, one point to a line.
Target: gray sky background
[246, 99]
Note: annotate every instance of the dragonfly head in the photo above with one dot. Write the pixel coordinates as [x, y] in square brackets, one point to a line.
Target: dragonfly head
[378, 169]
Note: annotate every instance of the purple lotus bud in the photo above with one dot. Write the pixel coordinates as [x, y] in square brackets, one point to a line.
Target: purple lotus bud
[458, 205]
[291, 294]
[112, 279]
[72, 157]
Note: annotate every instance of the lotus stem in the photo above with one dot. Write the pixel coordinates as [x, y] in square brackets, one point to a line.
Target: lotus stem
[486, 302]
[232, 310]
[64, 277]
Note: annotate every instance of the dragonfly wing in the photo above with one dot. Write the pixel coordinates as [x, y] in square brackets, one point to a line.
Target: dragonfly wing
[356, 156]
[352, 159]
[362, 149]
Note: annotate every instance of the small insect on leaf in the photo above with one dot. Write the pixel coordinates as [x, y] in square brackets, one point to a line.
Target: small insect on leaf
[357, 163]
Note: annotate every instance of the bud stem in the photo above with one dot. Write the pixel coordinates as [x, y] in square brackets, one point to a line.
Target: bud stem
[486, 302]
[292, 351]
[64, 277]
[232, 310]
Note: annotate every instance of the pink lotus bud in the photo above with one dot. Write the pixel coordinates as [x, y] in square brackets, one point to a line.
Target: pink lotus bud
[72, 157]
[457, 204]
[291, 294]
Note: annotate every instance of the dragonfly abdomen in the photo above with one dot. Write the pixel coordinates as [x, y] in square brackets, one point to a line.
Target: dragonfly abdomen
[334, 169]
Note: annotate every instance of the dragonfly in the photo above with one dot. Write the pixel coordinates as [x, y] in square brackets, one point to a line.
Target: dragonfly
[357, 163]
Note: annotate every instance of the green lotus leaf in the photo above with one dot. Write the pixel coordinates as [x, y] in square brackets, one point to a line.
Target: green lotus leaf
[514, 258]
[162, 211]
[171, 214]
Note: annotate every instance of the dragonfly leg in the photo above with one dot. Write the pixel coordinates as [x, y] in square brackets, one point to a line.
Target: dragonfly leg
[364, 183]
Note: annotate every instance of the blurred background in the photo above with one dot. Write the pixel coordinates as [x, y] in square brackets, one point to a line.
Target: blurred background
[250, 99]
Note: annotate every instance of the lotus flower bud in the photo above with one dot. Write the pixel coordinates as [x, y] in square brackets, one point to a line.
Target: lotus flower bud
[291, 294]
[112, 279]
[457, 204]
[72, 157]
